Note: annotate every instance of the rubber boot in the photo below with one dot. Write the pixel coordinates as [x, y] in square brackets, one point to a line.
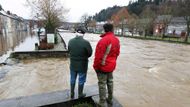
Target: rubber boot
[110, 94]
[80, 91]
[72, 91]
[102, 96]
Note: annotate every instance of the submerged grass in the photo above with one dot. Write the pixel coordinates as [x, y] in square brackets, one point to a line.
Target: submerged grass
[83, 105]
[158, 38]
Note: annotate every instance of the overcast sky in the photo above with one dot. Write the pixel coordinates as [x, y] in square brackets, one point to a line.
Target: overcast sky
[76, 7]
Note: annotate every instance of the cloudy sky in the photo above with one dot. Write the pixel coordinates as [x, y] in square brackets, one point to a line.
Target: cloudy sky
[76, 7]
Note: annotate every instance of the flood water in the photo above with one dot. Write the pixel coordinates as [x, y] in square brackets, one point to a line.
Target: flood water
[148, 74]
[20, 41]
[34, 76]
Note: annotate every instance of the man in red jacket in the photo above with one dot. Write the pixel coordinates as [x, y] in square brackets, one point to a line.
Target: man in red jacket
[107, 51]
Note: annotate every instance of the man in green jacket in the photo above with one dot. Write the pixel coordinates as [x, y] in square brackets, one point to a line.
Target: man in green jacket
[80, 50]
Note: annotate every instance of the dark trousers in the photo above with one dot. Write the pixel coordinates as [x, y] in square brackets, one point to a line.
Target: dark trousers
[82, 80]
[73, 76]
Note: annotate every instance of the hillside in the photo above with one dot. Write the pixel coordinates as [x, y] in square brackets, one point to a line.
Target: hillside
[106, 14]
[133, 7]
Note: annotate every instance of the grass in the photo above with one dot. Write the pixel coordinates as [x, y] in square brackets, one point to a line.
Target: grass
[81, 102]
[83, 105]
[159, 38]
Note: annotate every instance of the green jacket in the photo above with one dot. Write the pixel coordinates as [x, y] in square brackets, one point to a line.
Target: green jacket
[80, 50]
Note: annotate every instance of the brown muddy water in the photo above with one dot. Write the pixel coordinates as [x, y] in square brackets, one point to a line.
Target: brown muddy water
[148, 74]
[35, 76]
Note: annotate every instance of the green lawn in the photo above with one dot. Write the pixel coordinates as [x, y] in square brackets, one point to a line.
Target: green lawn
[159, 38]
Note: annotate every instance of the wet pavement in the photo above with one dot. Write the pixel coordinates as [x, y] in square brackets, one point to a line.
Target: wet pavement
[148, 74]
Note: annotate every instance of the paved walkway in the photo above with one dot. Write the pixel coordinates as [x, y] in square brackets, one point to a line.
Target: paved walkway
[60, 46]
[52, 98]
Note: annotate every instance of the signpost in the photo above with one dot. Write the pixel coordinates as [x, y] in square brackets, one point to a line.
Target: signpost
[50, 38]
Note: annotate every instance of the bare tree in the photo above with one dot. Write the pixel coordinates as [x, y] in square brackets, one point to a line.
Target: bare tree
[85, 19]
[132, 23]
[120, 19]
[50, 11]
[146, 21]
[92, 25]
[166, 11]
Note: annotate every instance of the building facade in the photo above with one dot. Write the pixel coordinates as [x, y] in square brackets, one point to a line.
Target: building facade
[10, 27]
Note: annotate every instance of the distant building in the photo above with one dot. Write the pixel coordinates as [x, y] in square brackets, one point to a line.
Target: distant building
[99, 27]
[175, 26]
[69, 25]
[160, 24]
[10, 27]
[11, 22]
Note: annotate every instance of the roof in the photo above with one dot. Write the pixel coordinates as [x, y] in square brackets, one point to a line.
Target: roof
[179, 20]
[174, 20]
[161, 18]
[12, 16]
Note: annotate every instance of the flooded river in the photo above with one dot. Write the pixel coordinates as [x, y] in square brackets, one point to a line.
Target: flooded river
[34, 76]
[148, 74]
[20, 41]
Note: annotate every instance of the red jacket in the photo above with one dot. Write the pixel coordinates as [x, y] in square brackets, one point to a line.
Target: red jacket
[107, 51]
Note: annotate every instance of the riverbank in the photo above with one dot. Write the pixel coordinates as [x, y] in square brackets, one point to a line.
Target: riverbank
[158, 38]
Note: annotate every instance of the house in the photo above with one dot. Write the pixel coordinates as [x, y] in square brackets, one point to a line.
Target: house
[10, 27]
[99, 27]
[160, 24]
[168, 25]
[177, 26]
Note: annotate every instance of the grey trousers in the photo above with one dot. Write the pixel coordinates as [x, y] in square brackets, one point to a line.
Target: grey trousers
[105, 79]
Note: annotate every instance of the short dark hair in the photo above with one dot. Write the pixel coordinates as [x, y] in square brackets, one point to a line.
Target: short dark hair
[108, 27]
